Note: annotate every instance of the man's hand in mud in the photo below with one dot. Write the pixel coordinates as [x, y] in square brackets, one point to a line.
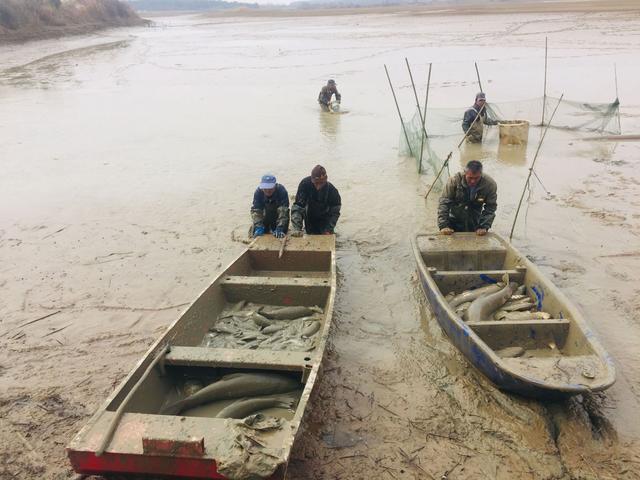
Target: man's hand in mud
[447, 231]
[296, 233]
[481, 232]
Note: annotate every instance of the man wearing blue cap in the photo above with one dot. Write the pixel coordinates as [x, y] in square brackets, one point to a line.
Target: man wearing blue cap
[475, 117]
[324, 97]
[270, 208]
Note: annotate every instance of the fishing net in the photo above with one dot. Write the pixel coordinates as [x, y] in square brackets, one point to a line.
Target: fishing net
[444, 126]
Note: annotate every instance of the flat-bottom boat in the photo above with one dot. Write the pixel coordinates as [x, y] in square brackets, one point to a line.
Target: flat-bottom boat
[558, 356]
[130, 434]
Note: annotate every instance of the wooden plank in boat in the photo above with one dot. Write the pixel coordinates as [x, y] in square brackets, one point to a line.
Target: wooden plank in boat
[460, 280]
[228, 357]
[526, 334]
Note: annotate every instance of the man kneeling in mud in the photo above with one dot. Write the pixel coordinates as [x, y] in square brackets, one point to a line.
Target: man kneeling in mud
[317, 203]
[270, 208]
[468, 202]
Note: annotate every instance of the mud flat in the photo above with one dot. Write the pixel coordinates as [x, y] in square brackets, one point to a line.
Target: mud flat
[128, 169]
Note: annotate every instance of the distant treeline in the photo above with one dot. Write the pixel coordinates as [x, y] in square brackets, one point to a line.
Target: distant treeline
[191, 5]
[25, 19]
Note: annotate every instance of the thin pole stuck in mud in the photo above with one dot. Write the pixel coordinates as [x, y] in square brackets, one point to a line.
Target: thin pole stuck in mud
[116, 417]
[535, 157]
[478, 74]
[283, 244]
[424, 120]
[423, 133]
[615, 73]
[544, 93]
[406, 137]
[444, 164]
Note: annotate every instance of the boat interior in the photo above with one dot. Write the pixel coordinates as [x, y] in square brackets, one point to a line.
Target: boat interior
[463, 262]
[257, 276]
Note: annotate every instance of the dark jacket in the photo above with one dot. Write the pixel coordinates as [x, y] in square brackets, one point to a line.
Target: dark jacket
[271, 212]
[465, 211]
[324, 97]
[319, 209]
[472, 122]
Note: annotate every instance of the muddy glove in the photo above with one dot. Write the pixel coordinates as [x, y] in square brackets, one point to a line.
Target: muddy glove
[278, 233]
[296, 233]
[258, 231]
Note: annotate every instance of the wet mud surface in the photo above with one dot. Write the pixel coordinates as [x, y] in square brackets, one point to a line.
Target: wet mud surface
[121, 202]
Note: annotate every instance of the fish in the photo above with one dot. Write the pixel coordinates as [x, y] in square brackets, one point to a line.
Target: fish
[273, 328]
[286, 313]
[246, 406]
[504, 315]
[316, 309]
[471, 295]
[510, 352]
[483, 307]
[239, 306]
[235, 385]
[521, 290]
[311, 329]
[259, 320]
[518, 305]
[223, 329]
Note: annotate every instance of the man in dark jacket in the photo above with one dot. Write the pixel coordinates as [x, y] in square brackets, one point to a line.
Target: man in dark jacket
[324, 97]
[270, 208]
[468, 202]
[317, 204]
[475, 117]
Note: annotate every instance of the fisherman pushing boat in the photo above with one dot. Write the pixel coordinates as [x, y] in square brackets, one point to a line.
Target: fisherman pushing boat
[475, 118]
[317, 204]
[270, 208]
[468, 202]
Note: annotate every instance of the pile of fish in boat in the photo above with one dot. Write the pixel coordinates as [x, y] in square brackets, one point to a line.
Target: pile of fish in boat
[252, 326]
[249, 392]
[499, 301]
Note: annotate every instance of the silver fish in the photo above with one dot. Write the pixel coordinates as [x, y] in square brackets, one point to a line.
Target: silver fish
[246, 406]
[273, 328]
[286, 313]
[259, 320]
[483, 307]
[236, 385]
[504, 315]
[311, 329]
[471, 295]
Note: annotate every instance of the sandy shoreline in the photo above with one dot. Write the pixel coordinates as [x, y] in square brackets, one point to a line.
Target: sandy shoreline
[588, 6]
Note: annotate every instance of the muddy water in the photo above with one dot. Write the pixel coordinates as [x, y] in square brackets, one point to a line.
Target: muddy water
[129, 160]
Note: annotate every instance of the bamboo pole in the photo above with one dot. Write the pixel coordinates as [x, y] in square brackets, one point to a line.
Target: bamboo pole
[423, 132]
[535, 157]
[406, 137]
[424, 120]
[478, 74]
[544, 95]
[444, 164]
[615, 72]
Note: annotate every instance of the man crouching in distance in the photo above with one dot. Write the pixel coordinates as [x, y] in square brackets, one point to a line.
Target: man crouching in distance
[317, 203]
[468, 202]
[270, 208]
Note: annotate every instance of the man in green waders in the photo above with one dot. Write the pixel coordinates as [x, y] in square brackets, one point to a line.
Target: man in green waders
[468, 202]
[270, 208]
[475, 118]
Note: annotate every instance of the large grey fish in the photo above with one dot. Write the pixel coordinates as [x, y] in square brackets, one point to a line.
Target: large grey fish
[286, 313]
[311, 329]
[471, 295]
[482, 308]
[246, 406]
[236, 385]
[259, 320]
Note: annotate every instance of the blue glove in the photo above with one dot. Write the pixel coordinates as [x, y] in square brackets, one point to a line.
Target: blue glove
[278, 233]
[258, 231]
